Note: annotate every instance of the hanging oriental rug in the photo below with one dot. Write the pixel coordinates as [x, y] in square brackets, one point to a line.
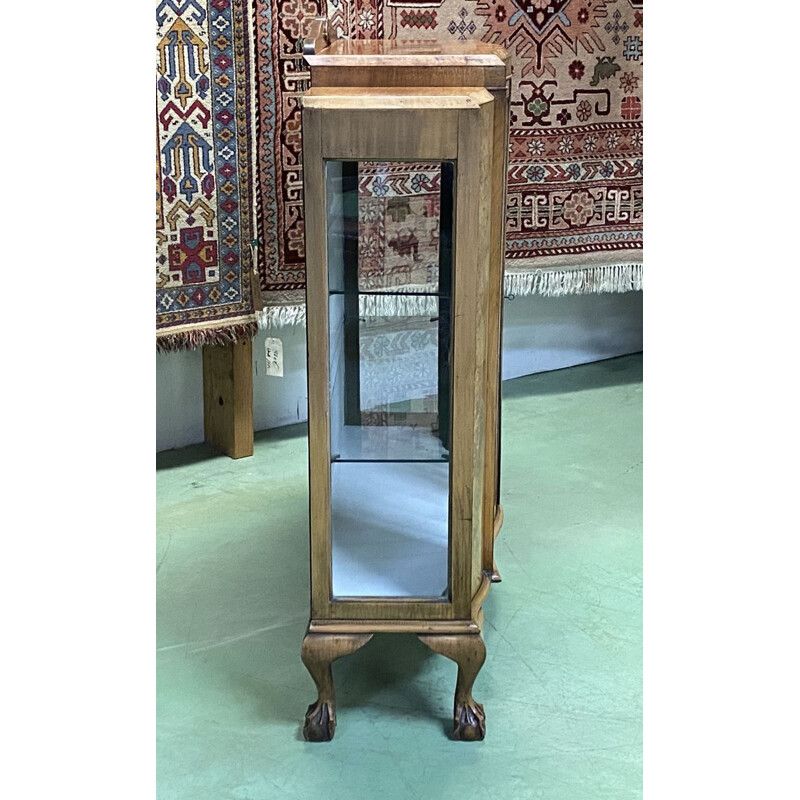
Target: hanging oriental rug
[204, 186]
[574, 199]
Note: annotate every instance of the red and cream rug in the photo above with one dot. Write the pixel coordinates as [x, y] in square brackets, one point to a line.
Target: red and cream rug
[574, 200]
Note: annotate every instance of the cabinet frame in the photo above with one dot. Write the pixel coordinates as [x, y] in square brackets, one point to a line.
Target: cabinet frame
[405, 126]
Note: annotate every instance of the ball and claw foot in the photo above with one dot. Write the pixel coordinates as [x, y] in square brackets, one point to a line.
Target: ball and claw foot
[469, 652]
[318, 651]
[469, 722]
[320, 724]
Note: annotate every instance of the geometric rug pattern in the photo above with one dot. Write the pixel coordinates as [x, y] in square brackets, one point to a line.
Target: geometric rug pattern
[204, 186]
[574, 185]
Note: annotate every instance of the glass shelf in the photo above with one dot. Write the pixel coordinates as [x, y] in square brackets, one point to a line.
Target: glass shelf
[385, 404]
[389, 278]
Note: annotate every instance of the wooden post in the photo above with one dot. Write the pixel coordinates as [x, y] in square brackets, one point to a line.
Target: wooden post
[228, 398]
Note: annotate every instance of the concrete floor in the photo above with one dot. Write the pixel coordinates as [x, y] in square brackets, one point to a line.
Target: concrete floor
[562, 683]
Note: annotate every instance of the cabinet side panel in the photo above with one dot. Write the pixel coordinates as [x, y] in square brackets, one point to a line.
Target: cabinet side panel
[319, 481]
[469, 322]
[483, 148]
[494, 324]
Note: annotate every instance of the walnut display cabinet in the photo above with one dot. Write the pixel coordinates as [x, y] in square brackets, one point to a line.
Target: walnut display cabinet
[404, 153]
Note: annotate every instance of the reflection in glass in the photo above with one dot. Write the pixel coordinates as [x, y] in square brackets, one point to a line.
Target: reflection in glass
[399, 209]
[389, 267]
[389, 525]
[397, 373]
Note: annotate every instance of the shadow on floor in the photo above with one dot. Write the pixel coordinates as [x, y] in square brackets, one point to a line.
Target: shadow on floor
[198, 453]
[389, 674]
[597, 375]
[184, 456]
[297, 431]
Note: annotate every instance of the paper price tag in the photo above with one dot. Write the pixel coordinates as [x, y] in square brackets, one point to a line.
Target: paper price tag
[274, 350]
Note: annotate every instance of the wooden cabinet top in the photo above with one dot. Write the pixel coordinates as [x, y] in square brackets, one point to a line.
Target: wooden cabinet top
[384, 52]
[394, 63]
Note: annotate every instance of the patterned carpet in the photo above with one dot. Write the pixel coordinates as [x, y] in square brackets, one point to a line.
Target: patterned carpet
[229, 75]
[574, 201]
[204, 190]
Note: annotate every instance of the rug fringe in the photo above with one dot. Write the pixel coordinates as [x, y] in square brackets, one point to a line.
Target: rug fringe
[192, 339]
[370, 305]
[279, 316]
[544, 282]
[588, 280]
[405, 305]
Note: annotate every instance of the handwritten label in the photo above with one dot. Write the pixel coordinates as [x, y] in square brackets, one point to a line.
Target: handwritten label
[274, 350]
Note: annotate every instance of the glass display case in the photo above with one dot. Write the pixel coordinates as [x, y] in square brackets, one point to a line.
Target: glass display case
[404, 151]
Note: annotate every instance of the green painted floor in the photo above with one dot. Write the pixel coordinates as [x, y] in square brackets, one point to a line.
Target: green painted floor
[562, 683]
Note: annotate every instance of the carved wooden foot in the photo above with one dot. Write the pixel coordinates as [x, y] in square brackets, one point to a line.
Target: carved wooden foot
[469, 652]
[319, 651]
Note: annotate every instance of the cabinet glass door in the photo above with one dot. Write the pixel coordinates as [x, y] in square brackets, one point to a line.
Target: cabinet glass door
[389, 242]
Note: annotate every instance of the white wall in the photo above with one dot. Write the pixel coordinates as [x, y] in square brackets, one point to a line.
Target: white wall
[539, 334]
[280, 401]
[179, 399]
[545, 333]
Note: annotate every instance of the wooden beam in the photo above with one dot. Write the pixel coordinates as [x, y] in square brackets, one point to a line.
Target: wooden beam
[228, 398]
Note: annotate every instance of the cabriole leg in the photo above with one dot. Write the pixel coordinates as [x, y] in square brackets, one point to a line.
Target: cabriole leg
[318, 652]
[469, 652]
